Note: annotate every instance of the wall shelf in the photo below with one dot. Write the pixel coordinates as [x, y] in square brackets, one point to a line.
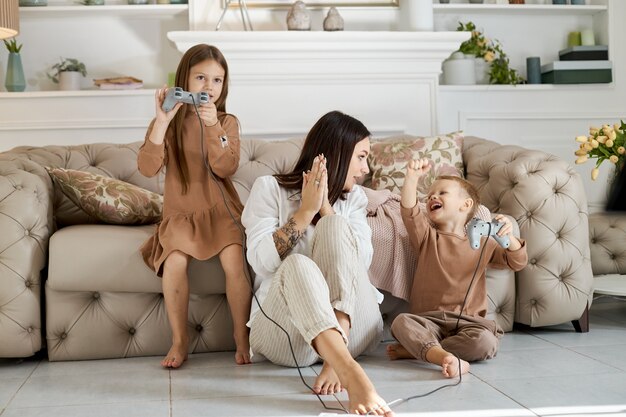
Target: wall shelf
[524, 87]
[146, 91]
[143, 11]
[521, 9]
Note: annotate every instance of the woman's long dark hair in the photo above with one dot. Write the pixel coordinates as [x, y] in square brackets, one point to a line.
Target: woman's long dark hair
[335, 135]
[194, 56]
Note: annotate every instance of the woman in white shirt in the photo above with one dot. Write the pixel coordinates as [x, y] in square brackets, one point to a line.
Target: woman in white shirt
[310, 246]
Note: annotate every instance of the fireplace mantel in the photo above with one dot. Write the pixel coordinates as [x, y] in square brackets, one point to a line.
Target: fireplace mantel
[282, 81]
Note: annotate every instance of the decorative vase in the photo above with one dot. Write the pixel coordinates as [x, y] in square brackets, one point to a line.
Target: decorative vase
[93, 2]
[69, 80]
[459, 70]
[417, 15]
[481, 69]
[137, 1]
[15, 73]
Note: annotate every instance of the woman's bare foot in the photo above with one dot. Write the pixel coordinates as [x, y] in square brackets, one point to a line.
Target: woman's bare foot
[397, 351]
[327, 382]
[450, 366]
[242, 355]
[363, 397]
[175, 357]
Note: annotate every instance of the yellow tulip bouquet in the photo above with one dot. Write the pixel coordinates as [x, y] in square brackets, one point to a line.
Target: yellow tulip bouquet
[606, 142]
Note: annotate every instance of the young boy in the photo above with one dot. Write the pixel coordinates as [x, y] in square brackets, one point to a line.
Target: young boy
[436, 329]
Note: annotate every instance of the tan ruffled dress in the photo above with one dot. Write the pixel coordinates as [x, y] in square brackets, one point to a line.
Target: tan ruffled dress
[196, 223]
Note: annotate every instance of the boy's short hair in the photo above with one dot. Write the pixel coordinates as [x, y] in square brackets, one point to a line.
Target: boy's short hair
[469, 188]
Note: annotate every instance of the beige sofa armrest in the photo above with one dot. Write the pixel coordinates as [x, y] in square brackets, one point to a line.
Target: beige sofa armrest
[607, 235]
[26, 224]
[546, 197]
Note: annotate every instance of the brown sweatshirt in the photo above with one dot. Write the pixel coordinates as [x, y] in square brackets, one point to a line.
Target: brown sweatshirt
[446, 263]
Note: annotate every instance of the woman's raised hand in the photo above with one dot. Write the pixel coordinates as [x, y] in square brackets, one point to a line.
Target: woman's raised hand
[314, 187]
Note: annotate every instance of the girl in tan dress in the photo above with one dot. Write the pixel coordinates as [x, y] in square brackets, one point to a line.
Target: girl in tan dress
[197, 222]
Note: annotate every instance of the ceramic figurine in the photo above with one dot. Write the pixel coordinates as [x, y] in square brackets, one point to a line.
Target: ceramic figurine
[333, 20]
[298, 17]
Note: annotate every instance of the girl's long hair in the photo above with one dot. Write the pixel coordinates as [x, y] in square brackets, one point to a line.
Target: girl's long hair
[193, 56]
[335, 135]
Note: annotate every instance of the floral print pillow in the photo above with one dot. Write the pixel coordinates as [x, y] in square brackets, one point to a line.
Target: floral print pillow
[388, 159]
[107, 199]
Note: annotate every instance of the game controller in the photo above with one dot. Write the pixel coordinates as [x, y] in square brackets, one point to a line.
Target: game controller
[178, 95]
[477, 228]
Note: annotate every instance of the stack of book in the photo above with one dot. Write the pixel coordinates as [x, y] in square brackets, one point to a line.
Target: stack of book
[118, 83]
[579, 65]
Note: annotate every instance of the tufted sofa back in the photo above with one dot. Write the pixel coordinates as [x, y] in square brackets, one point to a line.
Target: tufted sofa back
[546, 197]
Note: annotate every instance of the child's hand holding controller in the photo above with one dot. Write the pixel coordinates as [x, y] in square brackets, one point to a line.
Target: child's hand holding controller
[414, 170]
[161, 115]
[507, 230]
[208, 113]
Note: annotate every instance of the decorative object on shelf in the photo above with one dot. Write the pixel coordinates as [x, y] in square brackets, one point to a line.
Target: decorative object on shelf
[243, 8]
[29, 3]
[490, 51]
[416, 15]
[587, 37]
[93, 2]
[183, 2]
[573, 39]
[476, 1]
[578, 2]
[585, 53]
[559, 1]
[298, 17]
[67, 73]
[603, 143]
[9, 19]
[444, 1]
[118, 83]
[333, 21]
[459, 70]
[533, 70]
[14, 80]
[577, 72]
[517, 2]
[137, 1]
[163, 1]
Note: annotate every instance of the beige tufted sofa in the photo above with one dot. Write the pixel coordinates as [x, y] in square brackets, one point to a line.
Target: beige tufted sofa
[607, 238]
[102, 302]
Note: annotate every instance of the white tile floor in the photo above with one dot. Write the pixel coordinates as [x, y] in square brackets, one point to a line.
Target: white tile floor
[538, 372]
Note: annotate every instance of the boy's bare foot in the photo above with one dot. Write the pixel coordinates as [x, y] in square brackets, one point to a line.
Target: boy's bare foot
[242, 355]
[397, 351]
[175, 357]
[450, 366]
[363, 397]
[327, 382]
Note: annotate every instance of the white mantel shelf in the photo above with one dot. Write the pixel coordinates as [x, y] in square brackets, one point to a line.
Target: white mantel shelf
[389, 80]
[289, 42]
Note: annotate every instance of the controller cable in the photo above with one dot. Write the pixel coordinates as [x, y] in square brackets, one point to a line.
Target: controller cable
[249, 280]
[247, 266]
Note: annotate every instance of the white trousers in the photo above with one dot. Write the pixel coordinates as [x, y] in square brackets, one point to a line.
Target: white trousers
[305, 292]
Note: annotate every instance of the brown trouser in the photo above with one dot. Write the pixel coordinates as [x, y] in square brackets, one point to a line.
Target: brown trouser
[475, 339]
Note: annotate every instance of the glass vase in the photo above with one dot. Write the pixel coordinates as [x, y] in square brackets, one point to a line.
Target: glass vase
[14, 80]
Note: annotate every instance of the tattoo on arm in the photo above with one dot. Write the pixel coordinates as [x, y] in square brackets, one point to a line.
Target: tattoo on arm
[290, 236]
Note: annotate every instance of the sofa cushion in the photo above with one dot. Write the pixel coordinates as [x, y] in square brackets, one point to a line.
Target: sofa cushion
[388, 159]
[107, 258]
[107, 199]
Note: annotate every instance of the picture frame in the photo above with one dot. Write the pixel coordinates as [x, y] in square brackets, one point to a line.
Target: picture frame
[285, 4]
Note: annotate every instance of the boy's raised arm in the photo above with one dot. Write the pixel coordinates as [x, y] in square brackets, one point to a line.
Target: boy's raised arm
[414, 170]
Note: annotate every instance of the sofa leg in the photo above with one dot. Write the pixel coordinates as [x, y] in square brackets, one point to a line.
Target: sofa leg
[582, 324]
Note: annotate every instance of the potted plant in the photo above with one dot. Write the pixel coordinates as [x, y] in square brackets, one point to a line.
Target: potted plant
[15, 72]
[488, 53]
[67, 73]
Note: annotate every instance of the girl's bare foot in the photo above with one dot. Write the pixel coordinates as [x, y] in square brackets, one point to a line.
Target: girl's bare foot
[327, 382]
[175, 357]
[361, 393]
[397, 351]
[450, 366]
[242, 355]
